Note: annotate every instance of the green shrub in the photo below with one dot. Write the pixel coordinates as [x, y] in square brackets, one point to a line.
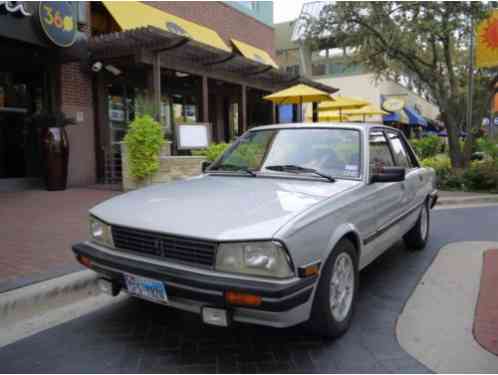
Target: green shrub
[427, 147]
[446, 178]
[212, 152]
[481, 175]
[488, 146]
[144, 140]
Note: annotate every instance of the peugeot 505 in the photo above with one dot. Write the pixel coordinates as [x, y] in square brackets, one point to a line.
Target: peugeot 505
[274, 232]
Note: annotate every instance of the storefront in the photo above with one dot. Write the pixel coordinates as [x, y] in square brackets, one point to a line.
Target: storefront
[142, 54]
[35, 38]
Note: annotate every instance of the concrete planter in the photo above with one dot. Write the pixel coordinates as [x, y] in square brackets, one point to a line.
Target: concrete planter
[171, 168]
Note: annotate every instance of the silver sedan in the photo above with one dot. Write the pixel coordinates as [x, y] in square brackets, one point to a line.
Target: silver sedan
[274, 232]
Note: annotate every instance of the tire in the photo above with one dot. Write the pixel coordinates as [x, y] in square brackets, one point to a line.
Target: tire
[326, 321]
[416, 238]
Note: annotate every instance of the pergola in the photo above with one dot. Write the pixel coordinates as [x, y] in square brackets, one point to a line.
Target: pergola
[158, 48]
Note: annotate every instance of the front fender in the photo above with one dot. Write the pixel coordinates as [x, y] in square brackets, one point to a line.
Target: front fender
[345, 229]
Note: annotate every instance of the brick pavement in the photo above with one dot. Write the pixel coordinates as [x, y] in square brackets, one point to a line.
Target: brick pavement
[486, 316]
[37, 229]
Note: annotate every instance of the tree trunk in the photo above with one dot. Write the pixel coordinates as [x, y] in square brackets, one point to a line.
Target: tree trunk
[456, 155]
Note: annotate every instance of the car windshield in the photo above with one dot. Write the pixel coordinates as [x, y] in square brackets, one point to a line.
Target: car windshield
[319, 152]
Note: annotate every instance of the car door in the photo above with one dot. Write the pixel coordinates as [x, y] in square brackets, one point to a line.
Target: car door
[384, 198]
[414, 178]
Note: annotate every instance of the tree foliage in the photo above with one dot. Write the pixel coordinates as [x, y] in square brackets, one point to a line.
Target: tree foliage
[426, 41]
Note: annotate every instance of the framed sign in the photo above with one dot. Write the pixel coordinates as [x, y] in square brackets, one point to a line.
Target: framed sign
[58, 21]
[193, 136]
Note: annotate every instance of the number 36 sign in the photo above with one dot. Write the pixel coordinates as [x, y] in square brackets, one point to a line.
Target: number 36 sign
[58, 21]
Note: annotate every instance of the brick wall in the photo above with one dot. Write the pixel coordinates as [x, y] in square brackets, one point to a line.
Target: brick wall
[75, 98]
[227, 21]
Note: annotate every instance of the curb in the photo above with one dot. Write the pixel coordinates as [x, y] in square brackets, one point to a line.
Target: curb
[467, 200]
[28, 302]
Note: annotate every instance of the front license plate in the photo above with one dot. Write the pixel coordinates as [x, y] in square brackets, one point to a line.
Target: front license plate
[146, 288]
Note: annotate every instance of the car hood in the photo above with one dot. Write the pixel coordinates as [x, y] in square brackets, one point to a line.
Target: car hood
[218, 207]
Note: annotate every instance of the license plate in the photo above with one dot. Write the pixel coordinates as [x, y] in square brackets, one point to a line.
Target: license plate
[146, 288]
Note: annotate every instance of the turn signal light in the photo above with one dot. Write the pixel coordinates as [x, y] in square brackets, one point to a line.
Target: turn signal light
[85, 261]
[236, 298]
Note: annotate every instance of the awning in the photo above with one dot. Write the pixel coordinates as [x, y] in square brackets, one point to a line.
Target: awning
[133, 14]
[415, 117]
[399, 117]
[254, 53]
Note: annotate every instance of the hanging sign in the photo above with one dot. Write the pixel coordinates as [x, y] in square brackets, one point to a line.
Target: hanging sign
[487, 42]
[58, 21]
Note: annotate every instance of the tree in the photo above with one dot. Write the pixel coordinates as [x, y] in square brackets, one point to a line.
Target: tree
[425, 41]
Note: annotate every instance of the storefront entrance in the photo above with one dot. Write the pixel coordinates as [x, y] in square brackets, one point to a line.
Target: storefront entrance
[21, 95]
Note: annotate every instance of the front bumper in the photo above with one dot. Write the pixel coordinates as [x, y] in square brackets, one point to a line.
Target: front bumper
[283, 303]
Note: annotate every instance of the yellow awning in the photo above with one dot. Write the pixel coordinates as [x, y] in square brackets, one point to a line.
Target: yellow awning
[254, 53]
[134, 14]
[343, 102]
[298, 94]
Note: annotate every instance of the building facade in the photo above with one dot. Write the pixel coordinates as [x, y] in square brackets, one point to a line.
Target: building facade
[331, 66]
[195, 61]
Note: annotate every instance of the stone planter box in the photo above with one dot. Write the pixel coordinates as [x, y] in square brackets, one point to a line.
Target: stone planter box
[172, 168]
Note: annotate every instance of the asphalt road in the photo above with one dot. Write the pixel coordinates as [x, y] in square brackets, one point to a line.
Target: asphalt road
[136, 336]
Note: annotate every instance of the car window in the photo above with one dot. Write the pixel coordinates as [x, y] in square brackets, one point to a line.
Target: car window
[333, 151]
[401, 156]
[380, 154]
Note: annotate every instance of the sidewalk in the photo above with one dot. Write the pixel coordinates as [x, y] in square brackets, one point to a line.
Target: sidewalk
[38, 228]
[463, 197]
[458, 333]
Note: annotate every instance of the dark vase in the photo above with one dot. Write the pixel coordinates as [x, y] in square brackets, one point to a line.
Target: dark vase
[55, 147]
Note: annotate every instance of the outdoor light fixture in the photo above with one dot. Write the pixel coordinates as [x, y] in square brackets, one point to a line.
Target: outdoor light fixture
[181, 74]
[112, 69]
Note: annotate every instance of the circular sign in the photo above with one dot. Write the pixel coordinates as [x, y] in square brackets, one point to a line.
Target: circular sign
[58, 21]
[393, 104]
[496, 121]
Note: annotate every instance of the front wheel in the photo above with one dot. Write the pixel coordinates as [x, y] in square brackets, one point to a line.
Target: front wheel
[417, 237]
[336, 292]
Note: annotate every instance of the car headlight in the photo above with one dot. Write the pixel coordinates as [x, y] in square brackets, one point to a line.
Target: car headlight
[265, 258]
[100, 232]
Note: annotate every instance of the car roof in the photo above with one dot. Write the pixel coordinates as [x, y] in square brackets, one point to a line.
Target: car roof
[325, 125]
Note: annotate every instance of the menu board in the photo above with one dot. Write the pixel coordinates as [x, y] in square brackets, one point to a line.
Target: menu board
[193, 136]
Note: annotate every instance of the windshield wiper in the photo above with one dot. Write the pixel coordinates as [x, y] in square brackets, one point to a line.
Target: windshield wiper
[233, 168]
[298, 169]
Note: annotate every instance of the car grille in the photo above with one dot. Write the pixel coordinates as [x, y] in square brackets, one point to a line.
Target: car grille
[182, 249]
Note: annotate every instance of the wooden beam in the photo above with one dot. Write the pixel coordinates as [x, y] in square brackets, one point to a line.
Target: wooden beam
[156, 73]
[243, 109]
[205, 99]
[171, 62]
[274, 115]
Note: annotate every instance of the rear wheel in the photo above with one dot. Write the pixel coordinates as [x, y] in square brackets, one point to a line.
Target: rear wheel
[417, 237]
[336, 292]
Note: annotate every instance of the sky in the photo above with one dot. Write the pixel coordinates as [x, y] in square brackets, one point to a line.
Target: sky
[286, 10]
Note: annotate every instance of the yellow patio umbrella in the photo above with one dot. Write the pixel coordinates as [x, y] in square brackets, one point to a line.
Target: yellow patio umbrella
[341, 103]
[330, 116]
[366, 111]
[298, 94]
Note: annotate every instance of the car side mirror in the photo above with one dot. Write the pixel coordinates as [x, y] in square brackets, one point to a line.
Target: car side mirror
[205, 165]
[388, 174]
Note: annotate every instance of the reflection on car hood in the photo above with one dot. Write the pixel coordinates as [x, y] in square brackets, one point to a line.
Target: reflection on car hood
[218, 207]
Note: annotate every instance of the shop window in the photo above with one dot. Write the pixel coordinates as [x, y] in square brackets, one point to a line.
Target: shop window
[292, 69]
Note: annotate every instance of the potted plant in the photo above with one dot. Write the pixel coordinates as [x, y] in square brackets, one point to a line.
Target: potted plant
[55, 147]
